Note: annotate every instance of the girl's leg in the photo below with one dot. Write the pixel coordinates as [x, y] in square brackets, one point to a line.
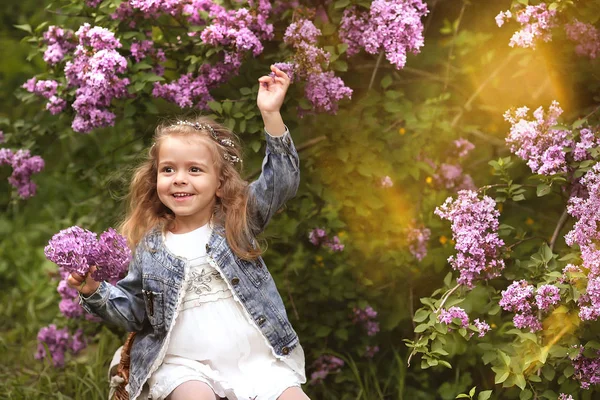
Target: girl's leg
[293, 393]
[193, 390]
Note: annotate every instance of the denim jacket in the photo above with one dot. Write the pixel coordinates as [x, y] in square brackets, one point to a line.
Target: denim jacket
[147, 300]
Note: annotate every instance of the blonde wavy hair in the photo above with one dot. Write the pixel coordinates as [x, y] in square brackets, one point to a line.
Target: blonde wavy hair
[146, 211]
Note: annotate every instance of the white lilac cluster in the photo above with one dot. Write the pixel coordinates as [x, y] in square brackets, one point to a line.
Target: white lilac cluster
[475, 231]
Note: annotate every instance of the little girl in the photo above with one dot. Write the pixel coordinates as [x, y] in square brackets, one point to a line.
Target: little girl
[210, 321]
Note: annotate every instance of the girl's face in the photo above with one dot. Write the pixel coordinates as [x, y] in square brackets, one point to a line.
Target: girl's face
[187, 182]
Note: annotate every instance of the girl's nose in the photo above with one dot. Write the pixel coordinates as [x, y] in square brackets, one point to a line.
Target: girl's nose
[180, 178]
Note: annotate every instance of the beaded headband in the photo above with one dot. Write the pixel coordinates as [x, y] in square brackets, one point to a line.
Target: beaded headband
[223, 142]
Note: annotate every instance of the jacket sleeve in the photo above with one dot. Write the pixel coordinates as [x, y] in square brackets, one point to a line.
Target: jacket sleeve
[278, 181]
[121, 304]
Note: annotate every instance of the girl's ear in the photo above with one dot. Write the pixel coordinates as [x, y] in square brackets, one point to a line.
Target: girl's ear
[219, 191]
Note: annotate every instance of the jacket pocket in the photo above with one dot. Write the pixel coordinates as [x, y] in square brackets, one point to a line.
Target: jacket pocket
[255, 270]
[155, 309]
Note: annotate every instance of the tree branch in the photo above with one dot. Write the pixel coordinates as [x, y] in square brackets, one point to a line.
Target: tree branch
[375, 69]
[559, 226]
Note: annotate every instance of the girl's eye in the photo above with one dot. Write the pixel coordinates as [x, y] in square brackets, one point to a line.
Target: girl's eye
[167, 169]
[195, 169]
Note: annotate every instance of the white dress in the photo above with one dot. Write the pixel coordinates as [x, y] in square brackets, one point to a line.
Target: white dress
[213, 340]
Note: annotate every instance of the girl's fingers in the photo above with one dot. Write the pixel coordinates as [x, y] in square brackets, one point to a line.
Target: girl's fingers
[265, 79]
[279, 72]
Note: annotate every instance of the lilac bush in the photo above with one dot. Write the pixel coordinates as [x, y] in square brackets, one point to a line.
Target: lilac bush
[536, 23]
[417, 242]
[58, 341]
[526, 302]
[324, 366]
[586, 37]
[367, 318]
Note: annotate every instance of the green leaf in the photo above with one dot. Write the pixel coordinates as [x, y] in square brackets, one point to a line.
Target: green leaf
[215, 106]
[421, 315]
[341, 3]
[323, 331]
[501, 377]
[421, 328]
[339, 65]
[24, 27]
[245, 91]
[525, 394]
[463, 396]
[472, 391]
[485, 395]
[520, 381]
[543, 189]
[386, 81]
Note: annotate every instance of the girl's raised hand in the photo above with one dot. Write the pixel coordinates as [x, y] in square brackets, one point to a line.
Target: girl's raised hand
[271, 91]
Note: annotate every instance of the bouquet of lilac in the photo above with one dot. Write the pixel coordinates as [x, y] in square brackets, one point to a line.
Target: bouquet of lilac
[76, 249]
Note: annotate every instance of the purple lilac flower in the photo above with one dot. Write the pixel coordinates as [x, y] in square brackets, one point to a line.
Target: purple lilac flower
[301, 31]
[370, 351]
[24, 165]
[585, 232]
[536, 142]
[334, 244]
[317, 236]
[546, 296]
[60, 42]
[450, 176]
[463, 147]
[587, 141]
[78, 342]
[482, 327]
[589, 301]
[57, 341]
[475, 231]
[587, 370]
[112, 256]
[519, 298]
[586, 37]
[417, 242]
[288, 68]
[536, 24]
[75, 249]
[323, 366]
[69, 305]
[392, 26]
[70, 249]
[366, 317]
[446, 316]
[564, 396]
[325, 90]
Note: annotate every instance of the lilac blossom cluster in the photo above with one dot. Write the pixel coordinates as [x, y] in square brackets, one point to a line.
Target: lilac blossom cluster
[323, 89]
[585, 234]
[145, 48]
[522, 299]
[193, 90]
[474, 224]
[448, 316]
[536, 24]
[463, 147]
[59, 42]
[75, 250]
[239, 31]
[370, 351]
[417, 242]
[58, 342]
[319, 237]
[49, 90]
[536, 141]
[323, 366]
[24, 165]
[482, 326]
[587, 370]
[391, 26]
[93, 71]
[586, 37]
[564, 396]
[452, 177]
[367, 318]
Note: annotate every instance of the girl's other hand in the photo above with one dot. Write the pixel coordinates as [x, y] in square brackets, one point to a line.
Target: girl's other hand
[84, 284]
[271, 91]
